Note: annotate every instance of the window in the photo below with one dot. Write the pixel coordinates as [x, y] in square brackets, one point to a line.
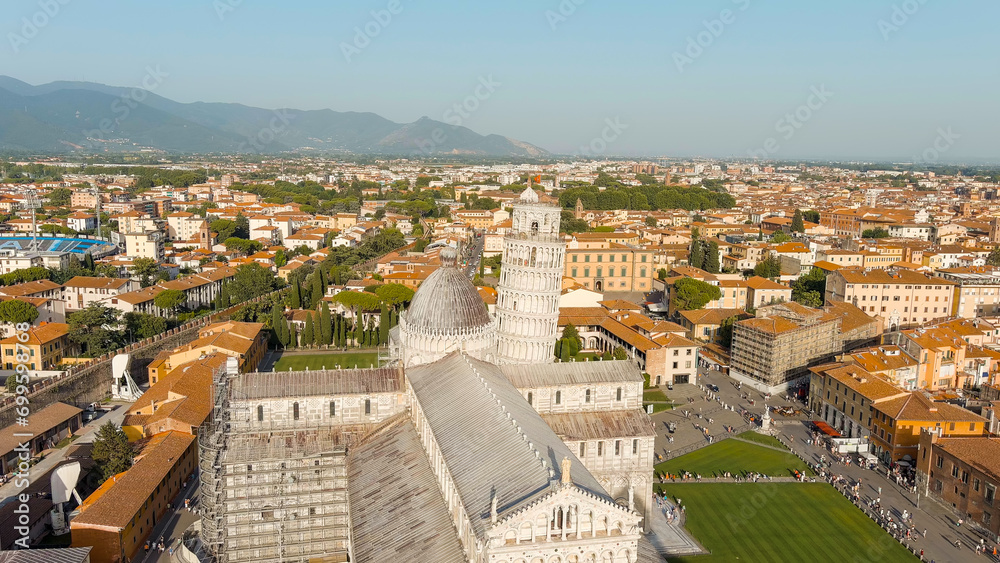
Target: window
[618, 447]
[624, 271]
[675, 365]
[611, 258]
[260, 413]
[954, 471]
[530, 397]
[975, 484]
[333, 408]
[583, 448]
[574, 272]
[587, 396]
[558, 397]
[635, 446]
[600, 449]
[574, 257]
[295, 410]
[600, 258]
[618, 394]
[368, 406]
[586, 258]
[991, 492]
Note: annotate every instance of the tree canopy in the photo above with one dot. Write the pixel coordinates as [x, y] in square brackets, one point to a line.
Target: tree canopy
[690, 294]
[17, 311]
[112, 451]
[877, 232]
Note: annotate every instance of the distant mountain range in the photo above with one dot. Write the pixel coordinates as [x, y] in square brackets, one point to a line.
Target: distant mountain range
[89, 117]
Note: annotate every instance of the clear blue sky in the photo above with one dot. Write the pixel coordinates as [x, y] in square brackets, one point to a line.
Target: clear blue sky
[558, 84]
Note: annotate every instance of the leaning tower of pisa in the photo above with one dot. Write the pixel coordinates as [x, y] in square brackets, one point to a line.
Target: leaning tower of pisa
[530, 283]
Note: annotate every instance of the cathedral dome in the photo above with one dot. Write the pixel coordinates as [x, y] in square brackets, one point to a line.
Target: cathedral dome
[447, 300]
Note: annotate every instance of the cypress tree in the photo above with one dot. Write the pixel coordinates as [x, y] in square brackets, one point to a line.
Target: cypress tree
[712, 258]
[697, 258]
[565, 353]
[277, 322]
[383, 325]
[798, 225]
[317, 290]
[326, 329]
[295, 296]
[307, 333]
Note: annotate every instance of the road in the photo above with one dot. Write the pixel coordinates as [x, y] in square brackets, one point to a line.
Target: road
[474, 255]
[170, 529]
[54, 457]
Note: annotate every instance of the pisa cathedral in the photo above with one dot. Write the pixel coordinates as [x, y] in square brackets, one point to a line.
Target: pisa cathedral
[472, 445]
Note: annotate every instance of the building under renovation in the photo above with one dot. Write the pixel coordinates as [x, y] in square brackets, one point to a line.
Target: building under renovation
[451, 459]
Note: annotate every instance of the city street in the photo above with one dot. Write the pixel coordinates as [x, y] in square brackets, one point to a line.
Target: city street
[171, 527]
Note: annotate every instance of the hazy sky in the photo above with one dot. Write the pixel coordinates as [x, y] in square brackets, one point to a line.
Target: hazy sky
[901, 76]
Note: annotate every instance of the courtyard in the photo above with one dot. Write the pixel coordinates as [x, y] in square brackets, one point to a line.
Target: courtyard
[300, 361]
[738, 456]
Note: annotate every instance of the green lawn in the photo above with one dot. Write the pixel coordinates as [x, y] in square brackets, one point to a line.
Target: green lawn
[780, 522]
[653, 395]
[759, 438]
[735, 457]
[330, 360]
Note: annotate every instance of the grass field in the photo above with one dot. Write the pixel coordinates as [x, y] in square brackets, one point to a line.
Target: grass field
[652, 395]
[759, 438]
[330, 360]
[779, 523]
[735, 457]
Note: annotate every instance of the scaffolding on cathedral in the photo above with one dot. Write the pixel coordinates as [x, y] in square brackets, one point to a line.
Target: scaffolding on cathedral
[275, 490]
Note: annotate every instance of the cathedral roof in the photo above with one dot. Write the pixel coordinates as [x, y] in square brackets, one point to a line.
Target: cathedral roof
[491, 439]
[447, 300]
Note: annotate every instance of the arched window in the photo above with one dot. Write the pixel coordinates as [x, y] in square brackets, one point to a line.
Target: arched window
[587, 396]
[558, 397]
[260, 413]
[295, 410]
[534, 227]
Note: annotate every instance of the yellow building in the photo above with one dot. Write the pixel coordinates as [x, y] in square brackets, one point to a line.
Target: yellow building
[46, 347]
[897, 423]
[245, 341]
[610, 266]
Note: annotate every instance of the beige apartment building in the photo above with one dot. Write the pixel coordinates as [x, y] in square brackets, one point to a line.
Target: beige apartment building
[610, 266]
[977, 291]
[145, 245]
[900, 298]
[843, 396]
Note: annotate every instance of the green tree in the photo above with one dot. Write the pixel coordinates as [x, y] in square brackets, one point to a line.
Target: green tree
[383, 324]
[620, 354]
[96, 328]
[357, 302]
[798, 225]
[395, 295]
[251, 280]
[141, 325]
[780, 237]
[651, 221]
[242, 246]
[661, 274]
[11, 383]
[278, 325]
[17, 311]
[690, 294]
[318, 289]
[170, 300]
[307, 333]
[317, 333]
[242, 227]
[295, 295]
[279, 258]
[811, 216]
[60, 197]
[112, 451]
[225, 228]
[697, 253]
[878, 232]
[146, 270]
[994, 258]
[725, 333]
[769, 268]
[712, 258]
[809, 289]
[325, 324]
